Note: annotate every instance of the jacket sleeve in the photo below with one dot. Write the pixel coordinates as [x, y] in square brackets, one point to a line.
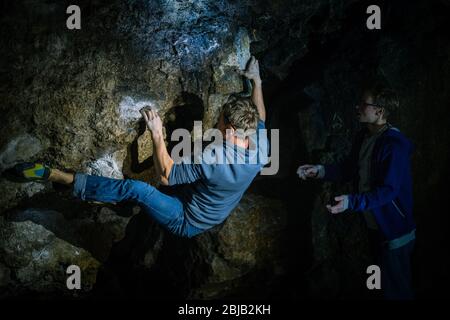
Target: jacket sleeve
[395, 157]
[347, 169]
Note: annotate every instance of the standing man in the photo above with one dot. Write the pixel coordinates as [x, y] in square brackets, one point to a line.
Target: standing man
[379, 165]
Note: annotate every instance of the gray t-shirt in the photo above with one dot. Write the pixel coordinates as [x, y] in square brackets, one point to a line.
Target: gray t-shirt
[213, 188]
[365, 156]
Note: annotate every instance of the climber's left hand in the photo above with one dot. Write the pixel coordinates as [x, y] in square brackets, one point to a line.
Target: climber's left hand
[341, 206]
[252, 70]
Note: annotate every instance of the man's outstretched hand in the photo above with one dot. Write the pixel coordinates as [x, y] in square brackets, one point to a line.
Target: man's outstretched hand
[310, 171]
[252, 70]
[153, 121]
[340, 206]
[307, 171]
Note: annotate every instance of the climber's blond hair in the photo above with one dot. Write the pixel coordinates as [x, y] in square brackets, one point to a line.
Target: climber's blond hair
[241, 113]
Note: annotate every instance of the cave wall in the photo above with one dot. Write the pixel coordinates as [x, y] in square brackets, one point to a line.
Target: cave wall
[71, 98]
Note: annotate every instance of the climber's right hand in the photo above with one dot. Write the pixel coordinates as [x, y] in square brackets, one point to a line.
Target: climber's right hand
[309, 171]
[152, 120]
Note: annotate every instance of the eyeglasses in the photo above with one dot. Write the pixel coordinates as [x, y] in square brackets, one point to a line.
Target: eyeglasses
[363, 104]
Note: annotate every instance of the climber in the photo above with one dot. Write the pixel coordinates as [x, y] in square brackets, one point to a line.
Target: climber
[208, 191]
[379, 165]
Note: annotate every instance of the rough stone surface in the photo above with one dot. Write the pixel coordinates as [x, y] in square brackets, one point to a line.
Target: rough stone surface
[20, 148]
[38, 259]
[251, 241]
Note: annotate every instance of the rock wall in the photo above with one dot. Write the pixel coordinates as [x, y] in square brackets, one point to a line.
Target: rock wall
[72, 99]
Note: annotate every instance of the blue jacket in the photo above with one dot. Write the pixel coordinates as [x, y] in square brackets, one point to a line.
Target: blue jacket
[390, 198]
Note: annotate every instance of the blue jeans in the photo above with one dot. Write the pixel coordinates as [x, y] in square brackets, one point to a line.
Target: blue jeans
[395, 265]
[167, 210]
[396, 272]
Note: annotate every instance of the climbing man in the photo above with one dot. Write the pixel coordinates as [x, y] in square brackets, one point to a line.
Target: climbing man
[210, 190]
[379, 165]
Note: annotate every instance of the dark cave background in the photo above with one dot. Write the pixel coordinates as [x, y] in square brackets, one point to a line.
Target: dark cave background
[69, 98]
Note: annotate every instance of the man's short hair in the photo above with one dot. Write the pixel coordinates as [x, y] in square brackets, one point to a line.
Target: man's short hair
[241, 113]
[384, 97]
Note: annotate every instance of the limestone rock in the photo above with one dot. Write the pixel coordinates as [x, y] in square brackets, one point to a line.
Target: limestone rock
[20, 148]
[39, 259]
[13, 192]
[251, 239]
